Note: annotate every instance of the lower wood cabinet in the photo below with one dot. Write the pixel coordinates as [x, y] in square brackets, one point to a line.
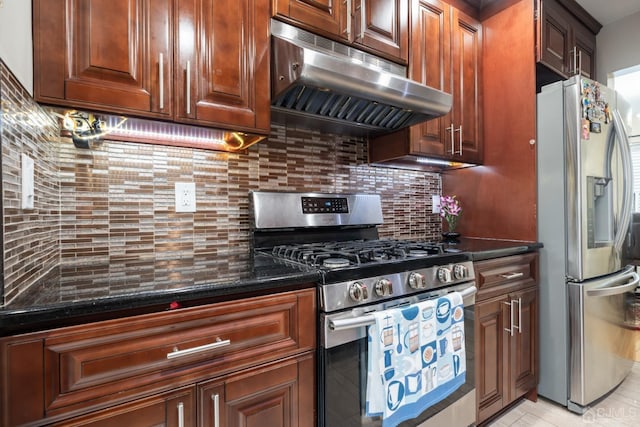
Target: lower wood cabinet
[239, 363]
[506, 334]
[268, 396]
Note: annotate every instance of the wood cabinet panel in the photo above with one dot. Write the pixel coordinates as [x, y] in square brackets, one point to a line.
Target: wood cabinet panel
[382, 25]
[21, 363]
[467, 78]
[377, 26]
[446, 53]
[430, 64]
[566, 44]
[119, 369]
[501, 275]
[222, 56]
[506, 332]
[490, 387]
[132, 57]
[175, 409]
[327, 17]
[107, 54]
[525, 344]
[120, 358]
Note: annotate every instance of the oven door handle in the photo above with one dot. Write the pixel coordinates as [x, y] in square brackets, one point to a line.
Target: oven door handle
[369, 319]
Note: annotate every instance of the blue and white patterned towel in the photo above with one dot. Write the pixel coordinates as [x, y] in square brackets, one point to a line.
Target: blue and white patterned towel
[416, 358]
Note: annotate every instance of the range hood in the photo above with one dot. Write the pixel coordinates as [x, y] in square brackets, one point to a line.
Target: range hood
[320, 84]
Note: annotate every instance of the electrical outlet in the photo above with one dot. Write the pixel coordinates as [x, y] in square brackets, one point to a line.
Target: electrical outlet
[185, 196]
[435, 204]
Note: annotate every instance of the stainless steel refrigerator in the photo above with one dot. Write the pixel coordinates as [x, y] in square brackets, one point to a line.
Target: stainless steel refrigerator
[584, 212]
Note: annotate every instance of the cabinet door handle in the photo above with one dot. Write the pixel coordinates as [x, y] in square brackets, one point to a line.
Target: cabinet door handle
[510, 329]
[510, 276]
[201, 349]
[363, 17]
[459, 139]
[575, 59]
[519, 315]
[348, 19]
[216, 410]
[180, 414]
[453, 142]
[188, 87]
[579, 62]
[161, 78]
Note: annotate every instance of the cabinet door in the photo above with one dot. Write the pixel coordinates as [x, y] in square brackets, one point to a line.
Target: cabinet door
[524, 344]
[104, 54]
[222, 63]
[430, 64]
[272, 395]
[382, 25]
[175, 409]
[554, 43]
[491, 350]
[466, 59]
[328, 17]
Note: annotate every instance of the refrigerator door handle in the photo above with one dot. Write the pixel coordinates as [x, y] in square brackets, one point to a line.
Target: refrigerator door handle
[627, 200]
[607, 290]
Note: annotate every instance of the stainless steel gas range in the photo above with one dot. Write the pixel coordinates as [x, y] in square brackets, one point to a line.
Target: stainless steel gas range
[362, 274]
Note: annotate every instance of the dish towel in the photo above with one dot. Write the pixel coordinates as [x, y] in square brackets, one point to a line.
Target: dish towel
[416, 358]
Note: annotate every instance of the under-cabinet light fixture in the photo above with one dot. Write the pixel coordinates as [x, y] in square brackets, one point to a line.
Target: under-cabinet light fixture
[85, 127]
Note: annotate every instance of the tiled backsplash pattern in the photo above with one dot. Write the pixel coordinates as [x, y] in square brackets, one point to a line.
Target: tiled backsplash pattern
[116, 200]
[31, 238]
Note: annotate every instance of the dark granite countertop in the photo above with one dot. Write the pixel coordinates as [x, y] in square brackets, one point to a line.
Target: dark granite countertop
[78, 294]
[84, 293]
[482, 249]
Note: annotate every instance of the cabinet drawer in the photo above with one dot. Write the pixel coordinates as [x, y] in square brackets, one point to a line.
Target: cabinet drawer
[502, 275]
[138, 355]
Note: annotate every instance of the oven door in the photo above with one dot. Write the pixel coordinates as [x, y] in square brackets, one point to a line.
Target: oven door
[343, 365]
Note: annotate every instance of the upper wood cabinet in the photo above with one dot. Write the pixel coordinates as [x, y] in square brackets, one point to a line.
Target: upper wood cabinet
[566, 38]
[446, 54]
[193, 61]
[377, 26]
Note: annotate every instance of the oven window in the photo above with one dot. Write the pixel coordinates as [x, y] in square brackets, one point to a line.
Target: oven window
[343, 383]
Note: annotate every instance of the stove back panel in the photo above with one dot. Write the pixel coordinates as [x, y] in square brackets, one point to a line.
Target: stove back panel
[276, 210]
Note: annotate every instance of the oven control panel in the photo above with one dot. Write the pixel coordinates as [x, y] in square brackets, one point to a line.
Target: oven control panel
[368, 290]
[333, 205]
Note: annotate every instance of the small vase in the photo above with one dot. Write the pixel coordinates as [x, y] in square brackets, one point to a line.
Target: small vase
[450, 237]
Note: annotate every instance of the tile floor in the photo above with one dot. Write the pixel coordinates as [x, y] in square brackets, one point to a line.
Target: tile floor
[620, 409]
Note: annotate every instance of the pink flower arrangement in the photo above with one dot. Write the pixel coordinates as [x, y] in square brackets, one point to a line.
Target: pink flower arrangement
[450, 210]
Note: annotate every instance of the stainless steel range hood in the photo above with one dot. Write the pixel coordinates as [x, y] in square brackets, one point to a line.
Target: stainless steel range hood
[320, 84]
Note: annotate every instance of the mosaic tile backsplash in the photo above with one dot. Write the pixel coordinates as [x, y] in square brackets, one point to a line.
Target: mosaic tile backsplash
[114, 203]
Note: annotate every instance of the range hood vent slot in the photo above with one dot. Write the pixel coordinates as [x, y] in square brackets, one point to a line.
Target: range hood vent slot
[324, 85]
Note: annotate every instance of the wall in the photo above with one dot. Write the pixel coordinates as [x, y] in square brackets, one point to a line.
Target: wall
[30, 238]
[618, 46]
[115, 202]
[16, 46]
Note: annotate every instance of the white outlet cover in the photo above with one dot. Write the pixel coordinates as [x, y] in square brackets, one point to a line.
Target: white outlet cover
[185, 196]
[27, 173]
[435, 204]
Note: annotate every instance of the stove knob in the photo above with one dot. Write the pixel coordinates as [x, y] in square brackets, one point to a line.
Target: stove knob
[416, 281]
[444, 275]
[384, 287]
[358, 292]
[460, 271]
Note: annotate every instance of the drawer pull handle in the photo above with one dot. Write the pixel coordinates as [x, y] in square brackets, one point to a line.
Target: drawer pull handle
[180, 353]
[510, 276]
[216, 410]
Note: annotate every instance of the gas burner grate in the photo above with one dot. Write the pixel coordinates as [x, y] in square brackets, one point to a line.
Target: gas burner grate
[356, 252]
